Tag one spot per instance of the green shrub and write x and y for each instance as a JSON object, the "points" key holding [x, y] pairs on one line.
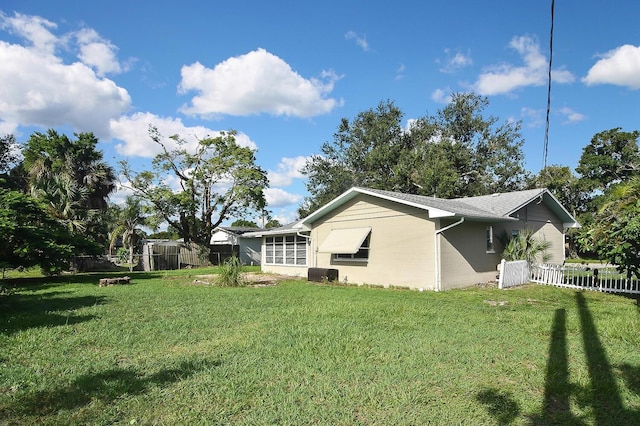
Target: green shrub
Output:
{"points": [[230, 273], [123, 255]]}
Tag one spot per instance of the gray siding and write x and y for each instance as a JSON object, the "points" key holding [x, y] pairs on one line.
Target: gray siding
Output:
{"points": [[545, 224], [464, 257]]}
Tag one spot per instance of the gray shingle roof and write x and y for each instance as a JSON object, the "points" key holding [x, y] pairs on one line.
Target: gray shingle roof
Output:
{"points": [[494, 207], [458, 206]]}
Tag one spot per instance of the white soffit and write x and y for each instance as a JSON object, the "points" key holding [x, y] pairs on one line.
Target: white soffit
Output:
{"points": [[344, 241]]}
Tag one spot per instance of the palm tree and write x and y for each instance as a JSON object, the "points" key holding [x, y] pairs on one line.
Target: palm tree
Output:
{"points": [[71, 178], [129, 218], [525, 246]]}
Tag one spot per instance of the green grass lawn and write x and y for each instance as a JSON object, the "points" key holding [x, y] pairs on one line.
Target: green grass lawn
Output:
{"points": [[165, 351]]}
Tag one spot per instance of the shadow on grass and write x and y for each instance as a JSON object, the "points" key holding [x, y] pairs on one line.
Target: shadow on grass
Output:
{"points": [[29, 310], [556, 408], [105, 386], [602, 395], [500, 405], [631, 376]]}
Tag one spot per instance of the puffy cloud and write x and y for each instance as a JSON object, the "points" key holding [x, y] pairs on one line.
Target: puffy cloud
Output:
{"points": [[133, 131], [570, 115], [441, 96], [360, 40], [533, 117], [34, 29], [454, 61], [97, 52], [254, 83], [620, 66], [506, 78], [288, 169], [277, 197], [38, 89]]}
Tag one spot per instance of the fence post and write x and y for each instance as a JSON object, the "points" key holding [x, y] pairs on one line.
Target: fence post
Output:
{"points": [[501, 275]]}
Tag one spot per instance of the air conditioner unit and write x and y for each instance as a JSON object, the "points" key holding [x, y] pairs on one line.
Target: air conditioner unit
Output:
{"points": [[322, 274]]}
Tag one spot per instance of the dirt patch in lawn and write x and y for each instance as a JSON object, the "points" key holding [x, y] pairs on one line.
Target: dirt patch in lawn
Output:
{"points": [[253, 279]]}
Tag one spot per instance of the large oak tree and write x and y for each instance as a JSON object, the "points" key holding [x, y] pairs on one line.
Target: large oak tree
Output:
{"points": [[456, 152], [216, 181]]}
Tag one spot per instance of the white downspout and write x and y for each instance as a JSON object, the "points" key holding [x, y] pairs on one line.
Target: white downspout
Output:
{"points": [[437, 251], [308, 238]]}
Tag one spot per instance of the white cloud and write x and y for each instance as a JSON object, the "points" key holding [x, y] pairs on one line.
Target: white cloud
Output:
{"points": [[38, 89], [441, 96], [532, 117], [620, 66], [360, 40], [400, 72], [288, 169], [258, 82], [506, 78], [454, 61], [284, 216], [134, 132], [34, 29], [570, 115], [277, 197], [97, 52]]}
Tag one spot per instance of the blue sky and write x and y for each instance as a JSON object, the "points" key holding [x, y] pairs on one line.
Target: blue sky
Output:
{"points": [[283, 73]]}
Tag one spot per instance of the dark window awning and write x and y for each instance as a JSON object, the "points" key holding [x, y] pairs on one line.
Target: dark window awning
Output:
{"points": [[347, 241]]}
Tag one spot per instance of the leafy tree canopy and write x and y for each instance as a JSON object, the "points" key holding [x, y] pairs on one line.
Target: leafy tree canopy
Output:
{"points": [[458, 152], [611, 157], [217, 181], [30, 236], [273, 223], [243, 223], [72, 179], [563, 184], [614, 233], [9, 152]]}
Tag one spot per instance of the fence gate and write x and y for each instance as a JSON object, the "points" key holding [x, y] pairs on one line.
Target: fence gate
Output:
{"points": [[513, 273]]}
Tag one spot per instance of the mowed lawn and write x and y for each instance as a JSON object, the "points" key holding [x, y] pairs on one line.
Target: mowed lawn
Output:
{"points": [[164, 350]]}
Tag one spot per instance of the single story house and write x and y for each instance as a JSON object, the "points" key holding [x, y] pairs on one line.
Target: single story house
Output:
{"points": [[378, 237], [227, 241]]}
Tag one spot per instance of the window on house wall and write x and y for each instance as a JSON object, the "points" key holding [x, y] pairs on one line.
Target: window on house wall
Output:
{"points": [[286, 250], [490, 246], [361, 255]]}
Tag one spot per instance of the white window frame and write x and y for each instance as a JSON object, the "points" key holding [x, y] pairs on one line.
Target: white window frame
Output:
{"points": [[362, 255], [287, 250], [490, 240]]}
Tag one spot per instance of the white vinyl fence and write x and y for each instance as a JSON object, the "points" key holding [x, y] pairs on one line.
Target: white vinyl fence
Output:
{"points": [[513, 273], [601, 278], [606, 278]]}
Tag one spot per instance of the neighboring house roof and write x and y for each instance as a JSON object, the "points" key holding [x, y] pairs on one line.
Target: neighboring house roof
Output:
{"points": [[237, 230], [225, 235], [290, 228], [494, 207]]}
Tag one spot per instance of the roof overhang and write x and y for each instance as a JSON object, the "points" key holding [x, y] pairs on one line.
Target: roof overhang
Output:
{"points": [[293, 229], [354, 192], [549, 200]]}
